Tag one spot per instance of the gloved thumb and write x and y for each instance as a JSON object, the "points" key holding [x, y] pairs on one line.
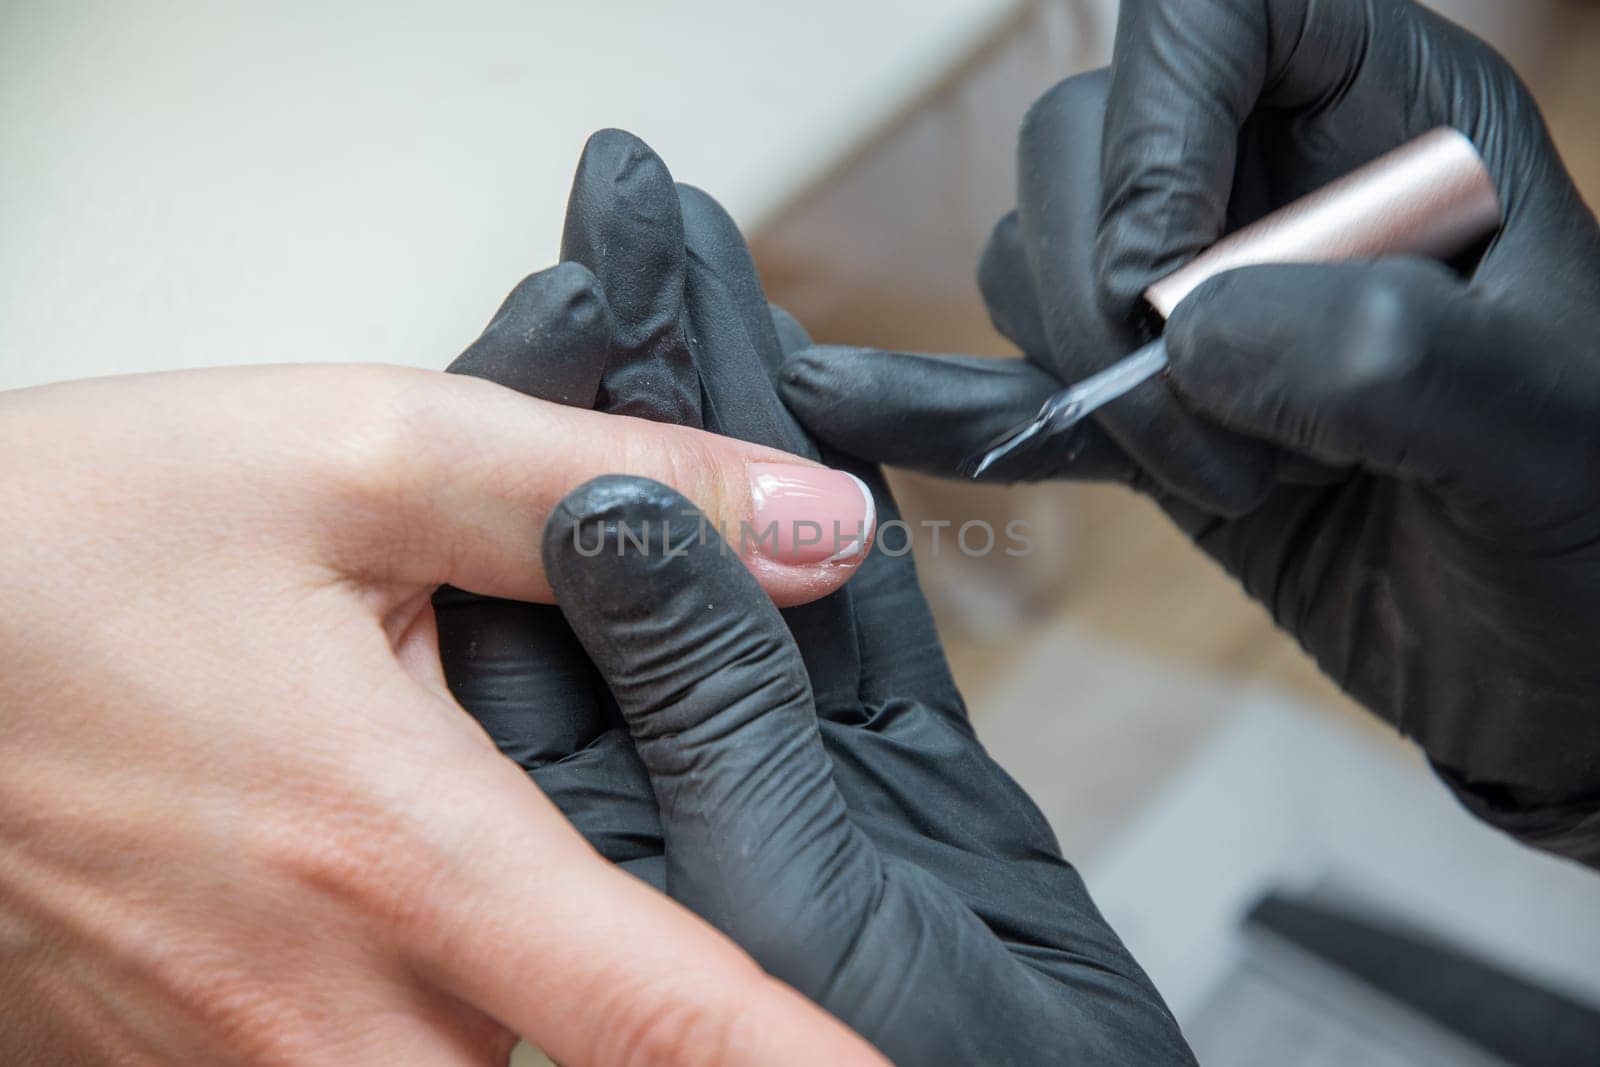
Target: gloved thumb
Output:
{"points": [[1395, 367], [716, 696]]}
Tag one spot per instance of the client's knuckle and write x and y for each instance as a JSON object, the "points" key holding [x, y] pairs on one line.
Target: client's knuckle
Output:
{"points": [[376, 456], [670, 1031], [372, 447], [360, 853], [221, 995]]}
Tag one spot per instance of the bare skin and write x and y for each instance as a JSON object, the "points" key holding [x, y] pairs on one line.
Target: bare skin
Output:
{"points": [[241, 818]]}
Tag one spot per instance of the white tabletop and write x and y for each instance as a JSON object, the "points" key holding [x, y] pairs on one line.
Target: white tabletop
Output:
{"points": [[189, 183]]}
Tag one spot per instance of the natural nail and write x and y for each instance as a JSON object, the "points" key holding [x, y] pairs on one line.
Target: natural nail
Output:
{"points": [[809, 514]]}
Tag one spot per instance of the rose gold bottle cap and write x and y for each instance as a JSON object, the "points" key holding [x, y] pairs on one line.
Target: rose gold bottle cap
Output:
{"points": [[1431, 197]]}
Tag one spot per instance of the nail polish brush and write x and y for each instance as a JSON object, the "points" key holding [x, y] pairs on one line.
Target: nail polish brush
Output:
{"points": [[1432, 196]]}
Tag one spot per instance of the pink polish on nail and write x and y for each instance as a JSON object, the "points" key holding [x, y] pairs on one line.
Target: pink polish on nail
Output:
{"points": [[808, 515]]}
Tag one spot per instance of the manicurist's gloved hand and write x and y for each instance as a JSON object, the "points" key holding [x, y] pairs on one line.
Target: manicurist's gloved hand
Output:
{"points": [[807, 780], [1400, 463]]}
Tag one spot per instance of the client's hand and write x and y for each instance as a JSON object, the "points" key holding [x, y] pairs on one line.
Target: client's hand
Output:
{"points": [[241, 819], [807, 780]]}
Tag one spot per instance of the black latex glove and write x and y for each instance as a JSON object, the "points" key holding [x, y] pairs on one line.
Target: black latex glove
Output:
{"points": [[1429, 531], [806, 780]]}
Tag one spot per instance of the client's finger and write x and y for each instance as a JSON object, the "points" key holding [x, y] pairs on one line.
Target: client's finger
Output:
{"points": [[443, 479]]}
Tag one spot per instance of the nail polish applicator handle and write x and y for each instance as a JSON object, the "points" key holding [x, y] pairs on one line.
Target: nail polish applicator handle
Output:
{"points": [[1431, 197]]}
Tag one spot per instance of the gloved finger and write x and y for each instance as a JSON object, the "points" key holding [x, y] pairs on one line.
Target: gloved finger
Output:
{"points": [[934, 413], [1398, 367], [550, 338], [1219, 104], [899, 659], [919, 742], [1005, 280], [736, 349], [759, 840], [1183, 79], [1534, 249], [792, 336], [806, 386], [716, 697], [1058, 167], [714, 242], [519, 671], [516, 667], [902, 663], [623, 224], [603, 790]]}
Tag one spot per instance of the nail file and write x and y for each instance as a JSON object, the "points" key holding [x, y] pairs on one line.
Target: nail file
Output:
{"points": [[1432, 196]]}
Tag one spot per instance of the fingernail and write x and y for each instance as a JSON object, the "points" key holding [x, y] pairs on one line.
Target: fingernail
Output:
{"points": [[809, 514]]}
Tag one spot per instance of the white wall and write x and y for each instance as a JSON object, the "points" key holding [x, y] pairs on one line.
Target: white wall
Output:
{"points": [[184, 182]]}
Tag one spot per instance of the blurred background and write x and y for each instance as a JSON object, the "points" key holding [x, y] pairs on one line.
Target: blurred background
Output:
{"points": [[187, 183]]}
